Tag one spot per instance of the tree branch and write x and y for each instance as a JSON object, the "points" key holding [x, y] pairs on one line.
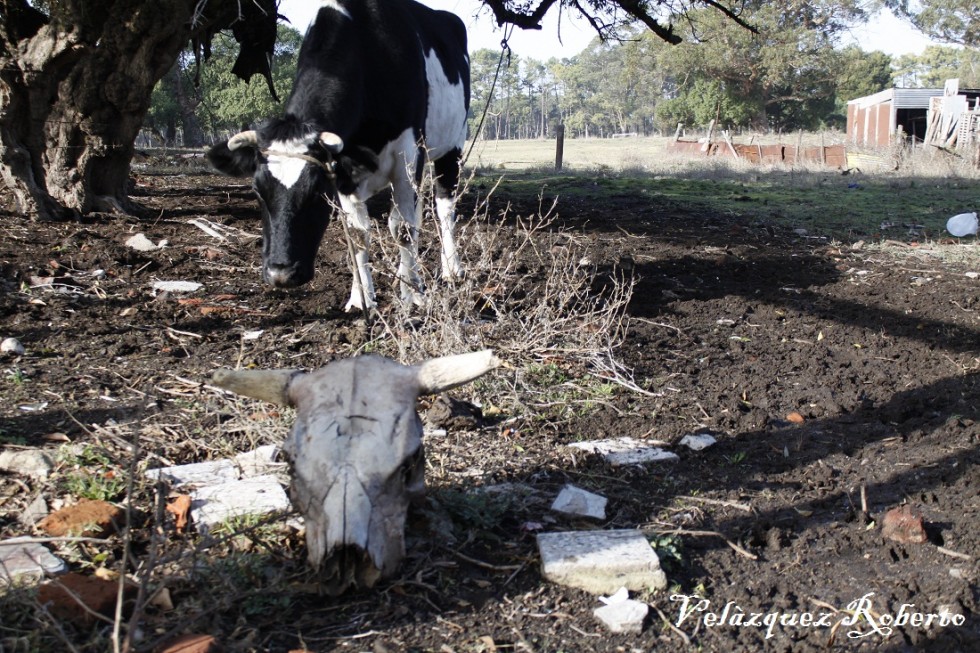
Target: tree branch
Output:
{"points": [[731, 14], [521, 18], [638, 10]]}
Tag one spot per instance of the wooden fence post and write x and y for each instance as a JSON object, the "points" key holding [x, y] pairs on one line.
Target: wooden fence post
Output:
{"points": [[559, 146]]}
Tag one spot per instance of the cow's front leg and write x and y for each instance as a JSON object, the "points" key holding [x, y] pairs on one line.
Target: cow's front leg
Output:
{"points": [[359, 235], [403, 222], [447, 179]]}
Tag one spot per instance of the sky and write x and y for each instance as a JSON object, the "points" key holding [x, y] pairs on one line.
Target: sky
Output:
{"points": [[887, 34]]}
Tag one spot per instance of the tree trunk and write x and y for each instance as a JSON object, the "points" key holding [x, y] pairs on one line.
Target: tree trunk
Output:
{"points": [[187, 102], [75, 87]]}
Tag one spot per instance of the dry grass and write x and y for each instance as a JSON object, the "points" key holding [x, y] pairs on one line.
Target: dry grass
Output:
{"points": [[541, 303]]}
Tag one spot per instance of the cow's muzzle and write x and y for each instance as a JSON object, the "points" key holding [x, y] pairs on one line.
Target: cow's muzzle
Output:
{"points": [[286, 276]]}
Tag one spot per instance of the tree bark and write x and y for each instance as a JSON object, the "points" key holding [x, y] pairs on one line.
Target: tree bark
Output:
{"points": [[187, 102], [75, 87]]}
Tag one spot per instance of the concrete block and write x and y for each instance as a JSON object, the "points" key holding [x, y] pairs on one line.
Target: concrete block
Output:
{"points": [[580, 503], [600, 561]]}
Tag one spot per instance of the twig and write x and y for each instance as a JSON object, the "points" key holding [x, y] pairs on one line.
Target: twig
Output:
{"points": [[49, 540], [582, 632], [683, 635], [485, 565], [718, 502], [955, 554], [681, 531]]}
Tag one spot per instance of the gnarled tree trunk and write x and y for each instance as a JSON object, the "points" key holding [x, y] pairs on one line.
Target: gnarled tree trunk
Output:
{"points": [[75, 87]]}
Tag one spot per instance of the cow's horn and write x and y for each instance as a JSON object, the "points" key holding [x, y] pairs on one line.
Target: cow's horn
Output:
{"points": [[267, 385], [250, 137], [331, 141], [441, 374]]}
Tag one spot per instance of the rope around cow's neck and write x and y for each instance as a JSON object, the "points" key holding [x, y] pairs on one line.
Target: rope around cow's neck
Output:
{"points": [[328, 168]]}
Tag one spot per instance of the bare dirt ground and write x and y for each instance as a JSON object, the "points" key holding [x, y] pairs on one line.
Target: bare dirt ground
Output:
{"points": [[839, 381]]}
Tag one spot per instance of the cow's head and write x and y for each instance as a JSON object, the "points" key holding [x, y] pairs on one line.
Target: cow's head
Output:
{"points": [[356, 453], [293, 176]]}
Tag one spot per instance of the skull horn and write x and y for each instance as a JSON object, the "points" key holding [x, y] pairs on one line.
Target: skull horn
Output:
{"points": [[242, 139], [441, 374], [267, 385], [331, 141]]}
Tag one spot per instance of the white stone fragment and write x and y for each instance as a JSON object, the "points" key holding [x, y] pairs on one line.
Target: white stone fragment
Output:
{"points": [[581, 503], [207, 473], [625, 451], [622, 594], [624, 616], [260, 462], [35, 511], [215, 504], [12, 346], [27, 560], [27, 462], [600, 561], [141, 243], [176, 286], [698, 441]]}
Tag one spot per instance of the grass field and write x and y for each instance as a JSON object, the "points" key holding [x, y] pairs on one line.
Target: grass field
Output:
{"points": [[908, 197]]}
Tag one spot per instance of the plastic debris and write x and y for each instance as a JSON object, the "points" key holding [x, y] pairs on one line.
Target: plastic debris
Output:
{"points": [[12, 346], [964, 224]]}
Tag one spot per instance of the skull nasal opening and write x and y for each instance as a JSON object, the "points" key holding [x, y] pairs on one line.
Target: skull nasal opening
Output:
{"points": [[348, 567]]}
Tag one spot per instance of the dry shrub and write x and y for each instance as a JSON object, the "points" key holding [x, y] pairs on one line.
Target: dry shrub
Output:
{"points": [[530, 293]]}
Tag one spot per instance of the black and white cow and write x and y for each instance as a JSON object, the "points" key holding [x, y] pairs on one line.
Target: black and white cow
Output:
{"points": [[381, 85]]}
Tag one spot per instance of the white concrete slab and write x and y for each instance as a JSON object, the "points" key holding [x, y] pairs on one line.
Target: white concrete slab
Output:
{"points": [[200, 474], [580, 503], [600, 561], [626, 451], [215, 504]]}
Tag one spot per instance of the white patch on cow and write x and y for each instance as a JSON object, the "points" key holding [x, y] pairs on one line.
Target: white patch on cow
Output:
{"points": [[445, 122], [336, 6], [282, 162]]}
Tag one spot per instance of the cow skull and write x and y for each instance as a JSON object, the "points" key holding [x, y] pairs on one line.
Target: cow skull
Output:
{"points": [[356, 453]]}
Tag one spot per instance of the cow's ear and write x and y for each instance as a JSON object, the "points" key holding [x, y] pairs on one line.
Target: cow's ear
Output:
{"points": [[238, 162]]}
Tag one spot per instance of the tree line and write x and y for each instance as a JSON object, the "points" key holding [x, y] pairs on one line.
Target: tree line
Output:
{"points": [[791, 76], [77, 77]]}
